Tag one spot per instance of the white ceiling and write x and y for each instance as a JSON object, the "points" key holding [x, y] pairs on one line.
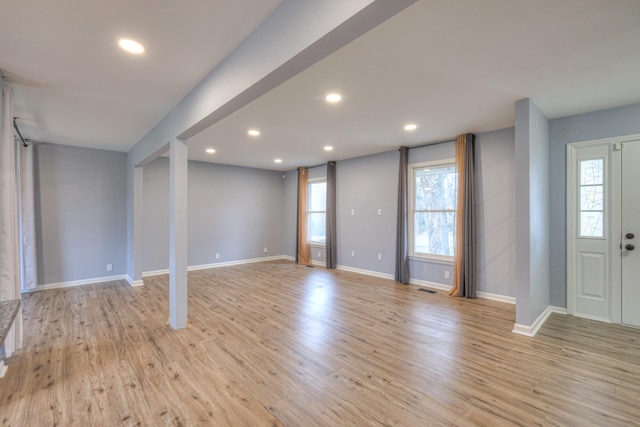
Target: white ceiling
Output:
{"points": [[74, 85], [451, 66]]}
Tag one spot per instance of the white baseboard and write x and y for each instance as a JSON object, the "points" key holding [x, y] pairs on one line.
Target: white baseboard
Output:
{"points": [[3, 368], [433, 285], [132, 282], [531, 331], [496, 297], [155, 273], [479, 294], [319, 263], [76, 283], [558, 310], [218, 264], [366, 272]]}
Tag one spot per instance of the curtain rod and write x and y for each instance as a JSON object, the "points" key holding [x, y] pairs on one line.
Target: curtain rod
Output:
{"points": [[432, 143], [15, 126]]}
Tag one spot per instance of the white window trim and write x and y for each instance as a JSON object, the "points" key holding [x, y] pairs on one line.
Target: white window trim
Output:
{"points": [[313, 242], [414, 255]]}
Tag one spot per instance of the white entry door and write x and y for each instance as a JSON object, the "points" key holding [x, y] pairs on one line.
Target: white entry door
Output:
{"points": [[630, 233], [603, 230], [589, 236]]}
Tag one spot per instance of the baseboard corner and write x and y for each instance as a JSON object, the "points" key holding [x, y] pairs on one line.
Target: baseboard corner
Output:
{"points": [[531, 331], [134, 283]]}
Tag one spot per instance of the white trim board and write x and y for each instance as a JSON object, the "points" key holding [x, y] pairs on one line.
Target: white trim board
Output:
{"points": [[365, 272], [219, 264], [72, 283], [134, 283], [531, 331], [479, 294]]}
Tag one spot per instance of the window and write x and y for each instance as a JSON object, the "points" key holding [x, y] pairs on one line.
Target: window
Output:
{"points": [[317, 211], [433, 199], [592, 198]]}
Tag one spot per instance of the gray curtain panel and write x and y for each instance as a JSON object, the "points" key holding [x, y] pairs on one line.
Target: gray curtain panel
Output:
{"points": [[468, 283], [331, 237], [402, 231]]}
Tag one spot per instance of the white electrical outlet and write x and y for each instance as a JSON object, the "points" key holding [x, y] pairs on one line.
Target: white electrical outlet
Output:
{"points": [[353, 253], [109, 267], [217, 255], [379, 212], [446, 274], [353, 212], [379, 257], [265, 250], [318, 254]]}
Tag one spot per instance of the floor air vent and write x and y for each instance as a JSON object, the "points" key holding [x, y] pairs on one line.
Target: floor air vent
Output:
{"points": [[427, 290]]}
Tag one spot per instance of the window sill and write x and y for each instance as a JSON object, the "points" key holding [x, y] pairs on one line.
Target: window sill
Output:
{"points": [[430, 260], [317, 244]]}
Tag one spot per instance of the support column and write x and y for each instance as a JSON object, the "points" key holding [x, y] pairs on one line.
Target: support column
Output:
{"points": [[137, 226], [178, 234]]}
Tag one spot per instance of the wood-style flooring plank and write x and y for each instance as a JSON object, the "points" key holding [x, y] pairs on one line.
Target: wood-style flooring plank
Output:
{"points": [[276, 344]]}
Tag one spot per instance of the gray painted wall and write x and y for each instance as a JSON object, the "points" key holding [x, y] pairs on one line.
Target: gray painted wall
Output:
{"points": [[80, 213], [496, 211], [366, 184], [233, 211], [584, 127], [532, 212]]}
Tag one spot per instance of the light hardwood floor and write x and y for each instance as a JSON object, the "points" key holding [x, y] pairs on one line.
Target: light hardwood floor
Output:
{"points": [[279, 344]]}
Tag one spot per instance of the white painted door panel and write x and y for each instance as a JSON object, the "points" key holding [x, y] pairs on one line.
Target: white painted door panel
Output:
{"points": [[631, 226], [588, 207]]}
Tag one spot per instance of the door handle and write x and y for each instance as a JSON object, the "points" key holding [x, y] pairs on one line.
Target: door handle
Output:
{"points": [[629, 247]]}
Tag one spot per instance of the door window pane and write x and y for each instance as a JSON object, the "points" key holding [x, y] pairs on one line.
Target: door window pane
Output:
{"points": [[592, 172], [591, 224], [592, 198]]}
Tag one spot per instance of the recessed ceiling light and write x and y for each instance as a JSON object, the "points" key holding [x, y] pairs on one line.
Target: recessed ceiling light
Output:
{"points": [[333, 98], [328, 148], [131, 46], [253, 132], [410, 127], [278, 160], [210, 150]]}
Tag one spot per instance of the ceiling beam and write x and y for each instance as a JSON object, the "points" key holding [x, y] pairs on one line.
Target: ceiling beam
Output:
{"points": [[295, 36]]}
